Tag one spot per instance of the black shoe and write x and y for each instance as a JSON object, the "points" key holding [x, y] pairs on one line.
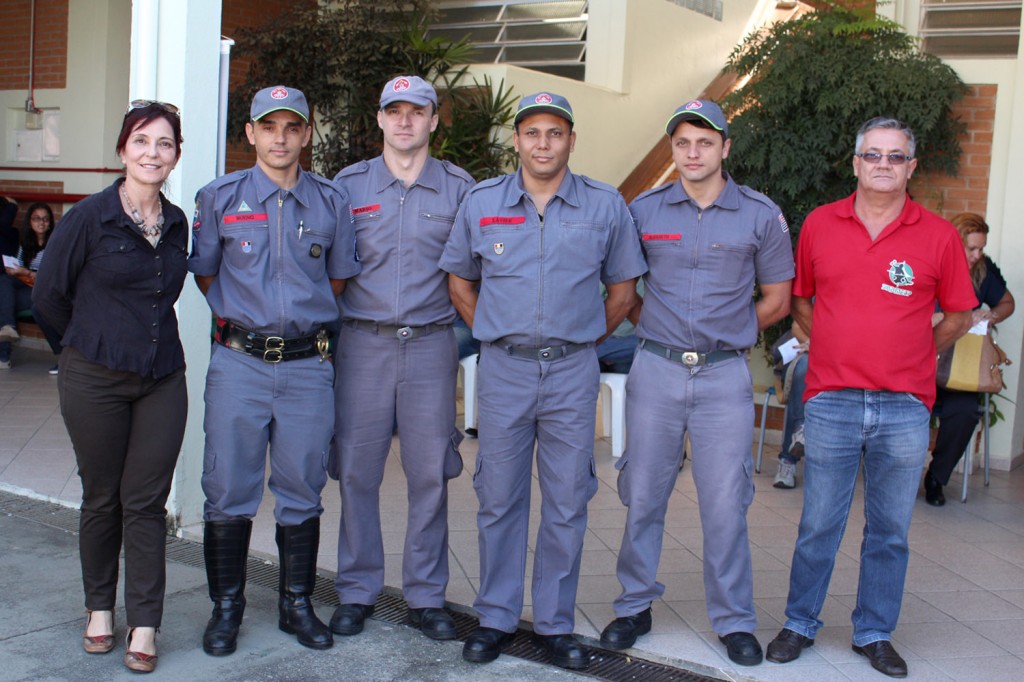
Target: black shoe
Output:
{"points": [[622, 632], [434, 623], [564, 650], [787, 646], [226, 550], [298, 547], [933, 490], [484, 644], [742, 648], [883, 658], [348, 619]]}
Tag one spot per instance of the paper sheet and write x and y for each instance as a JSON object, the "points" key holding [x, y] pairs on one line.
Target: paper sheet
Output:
{"points": [[789, 350]]}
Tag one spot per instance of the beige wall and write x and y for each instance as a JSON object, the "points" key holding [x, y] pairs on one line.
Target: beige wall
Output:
{"points": [[644, 58]]}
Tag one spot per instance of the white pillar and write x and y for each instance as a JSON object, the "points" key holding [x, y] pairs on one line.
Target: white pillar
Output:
{"points": [[184, 38]]}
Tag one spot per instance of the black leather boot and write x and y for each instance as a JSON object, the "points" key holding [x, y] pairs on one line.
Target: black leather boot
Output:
{"points": [[298, 546], [226, 549]]}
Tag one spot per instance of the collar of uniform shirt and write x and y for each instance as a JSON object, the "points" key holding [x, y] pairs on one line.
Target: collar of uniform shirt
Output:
{"points": [[429, 176], [728, 199], [266, 188], [566, 191]]}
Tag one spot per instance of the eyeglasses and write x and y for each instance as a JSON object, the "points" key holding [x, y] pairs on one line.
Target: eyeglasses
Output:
{"points": [[895, 158], [143, 103]]}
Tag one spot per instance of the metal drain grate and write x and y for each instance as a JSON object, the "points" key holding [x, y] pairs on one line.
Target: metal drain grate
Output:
{"points": [[612, 666]]}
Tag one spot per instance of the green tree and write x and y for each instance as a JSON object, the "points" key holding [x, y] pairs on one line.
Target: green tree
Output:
{"points": [[812, 83], [341, 55]]}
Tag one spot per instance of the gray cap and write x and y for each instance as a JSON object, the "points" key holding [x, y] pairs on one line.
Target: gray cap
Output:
{"points": [[699, 109], [544, 103], [276, 98], [412, 89]]}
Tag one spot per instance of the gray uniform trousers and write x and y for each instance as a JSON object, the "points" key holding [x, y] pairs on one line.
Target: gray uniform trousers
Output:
{"points": [[380, 378], [552, 402], [714, 404], [250, 403]]}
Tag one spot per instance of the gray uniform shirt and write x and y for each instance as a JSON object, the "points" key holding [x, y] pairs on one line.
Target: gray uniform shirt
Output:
{"points": [[540, 279], [704, 262], [273, 250], [400, 235]]}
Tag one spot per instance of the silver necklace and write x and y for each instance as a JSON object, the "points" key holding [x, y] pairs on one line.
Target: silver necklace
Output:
{"points": [[149, 231]]}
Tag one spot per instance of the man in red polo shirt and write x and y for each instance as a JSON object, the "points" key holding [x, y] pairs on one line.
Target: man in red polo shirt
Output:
{"points": [[874, 263]]}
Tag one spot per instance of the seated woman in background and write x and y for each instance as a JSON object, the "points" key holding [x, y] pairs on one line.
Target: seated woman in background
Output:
{"points": [[16, 283], [957, 410]]}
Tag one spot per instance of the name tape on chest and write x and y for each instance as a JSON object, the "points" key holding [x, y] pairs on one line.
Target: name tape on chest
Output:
{"points": [[662, 237], [244, 218], [360, 210], [502, 220]]}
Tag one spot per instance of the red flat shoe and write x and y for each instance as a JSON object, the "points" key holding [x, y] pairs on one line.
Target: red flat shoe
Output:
{"points": [[136, 661], [98, 644]]}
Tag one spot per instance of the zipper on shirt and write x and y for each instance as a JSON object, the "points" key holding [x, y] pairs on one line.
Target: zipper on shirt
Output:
{"points": [[280, 258]]}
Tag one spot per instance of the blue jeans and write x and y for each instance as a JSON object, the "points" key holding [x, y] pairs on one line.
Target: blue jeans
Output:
{"points": [[464, 338], [794, 407], [890, 432], [615, 354]]}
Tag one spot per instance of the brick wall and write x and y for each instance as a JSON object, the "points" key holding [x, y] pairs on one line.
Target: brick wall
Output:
{"points": [[12, 188], [237, 14], [969, 190], [51, 47]]}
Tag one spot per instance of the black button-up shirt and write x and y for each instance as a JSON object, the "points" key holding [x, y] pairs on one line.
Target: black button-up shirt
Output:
{"points": [[109, 292]]}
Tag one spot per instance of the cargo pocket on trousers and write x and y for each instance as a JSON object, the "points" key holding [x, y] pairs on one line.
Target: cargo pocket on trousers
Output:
{"points": [[452, 458], [622, 483], [592, 483]]}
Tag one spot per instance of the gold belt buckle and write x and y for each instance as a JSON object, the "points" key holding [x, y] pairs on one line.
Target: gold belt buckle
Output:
{"points": [[690, 359], [273, 349]]}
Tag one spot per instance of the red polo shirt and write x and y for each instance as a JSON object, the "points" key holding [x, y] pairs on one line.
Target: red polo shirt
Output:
{"points": [[873, 300]]}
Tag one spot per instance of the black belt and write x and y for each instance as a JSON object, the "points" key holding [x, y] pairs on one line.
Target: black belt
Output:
{"points": [[271, 348], [403, 332], [685, 357], [541, 352]]}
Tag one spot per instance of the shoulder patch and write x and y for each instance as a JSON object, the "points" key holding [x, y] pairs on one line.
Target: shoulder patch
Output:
{"points": [[354, 169]]}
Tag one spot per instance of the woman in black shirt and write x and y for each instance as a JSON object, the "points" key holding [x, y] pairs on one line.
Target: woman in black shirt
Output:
{"points": [[113, 269]]}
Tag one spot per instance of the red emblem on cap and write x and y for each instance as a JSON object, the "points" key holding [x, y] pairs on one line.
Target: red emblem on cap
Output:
{"points": [[695, 104], [279, 93], [401, 84], [543, 98]]}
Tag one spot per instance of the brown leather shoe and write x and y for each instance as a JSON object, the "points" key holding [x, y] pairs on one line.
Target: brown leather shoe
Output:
{"points": [[98, 644], [136, 661]]}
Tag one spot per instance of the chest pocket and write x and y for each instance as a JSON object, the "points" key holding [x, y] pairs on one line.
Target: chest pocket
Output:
{"points": [[585, 239], [731, 261], [244, 244], [312, 249], [507, 249], [121, 261]]}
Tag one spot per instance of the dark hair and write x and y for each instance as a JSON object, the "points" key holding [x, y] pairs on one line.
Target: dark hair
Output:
{"points": [[136, 118], [29, 244]]}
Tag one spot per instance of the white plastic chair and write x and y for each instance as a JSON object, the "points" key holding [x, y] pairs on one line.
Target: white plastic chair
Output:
{"points": [[613, 410], [467, 366]]}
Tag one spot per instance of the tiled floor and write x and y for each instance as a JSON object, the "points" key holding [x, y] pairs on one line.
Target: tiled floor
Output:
{"points": [[963, 613]]}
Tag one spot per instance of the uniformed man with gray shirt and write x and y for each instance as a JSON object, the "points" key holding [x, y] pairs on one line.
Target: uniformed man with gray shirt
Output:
{"points": [[537, 244], [272, 248], [707, 241], [397, 362]]}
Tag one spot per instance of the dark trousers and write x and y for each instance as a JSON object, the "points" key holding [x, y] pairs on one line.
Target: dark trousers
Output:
{"points": [[15, 297], [958, 415], [127, 431]]}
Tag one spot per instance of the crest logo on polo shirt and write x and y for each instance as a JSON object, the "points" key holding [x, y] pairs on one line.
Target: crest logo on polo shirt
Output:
{"points": [[246, 247], [901, 275], [244, 207], [543, 98], [499, 248]]}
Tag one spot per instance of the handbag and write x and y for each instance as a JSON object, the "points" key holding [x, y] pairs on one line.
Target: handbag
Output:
{"points": [[973, 364]]}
